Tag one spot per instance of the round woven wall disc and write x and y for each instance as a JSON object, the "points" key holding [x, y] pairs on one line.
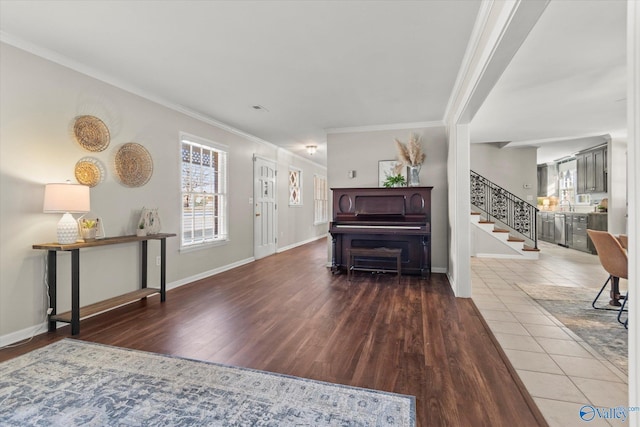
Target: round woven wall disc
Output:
{"points": [[89, 171], [91, 133], [134, 165]]}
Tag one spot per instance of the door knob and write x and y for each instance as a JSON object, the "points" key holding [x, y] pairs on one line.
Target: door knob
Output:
{"points": [[257, 214]]}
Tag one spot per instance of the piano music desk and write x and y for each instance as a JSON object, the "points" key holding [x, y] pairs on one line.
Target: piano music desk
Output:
{"points": [[374, 253]]}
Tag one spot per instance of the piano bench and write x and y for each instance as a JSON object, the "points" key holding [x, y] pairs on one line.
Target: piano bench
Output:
{"points": [[374, 253]]}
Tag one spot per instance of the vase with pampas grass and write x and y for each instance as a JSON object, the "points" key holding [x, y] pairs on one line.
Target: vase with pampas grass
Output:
{"points": [[411, 155]]}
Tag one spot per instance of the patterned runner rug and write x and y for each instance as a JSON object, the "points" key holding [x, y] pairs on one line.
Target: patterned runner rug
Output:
{"points": [[73, 383], [599, 328]]}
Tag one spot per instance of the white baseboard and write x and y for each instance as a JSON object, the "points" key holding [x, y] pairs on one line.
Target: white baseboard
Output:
{"points": [[500, 256], [304, 242], [23, 334], [28, 332], [209, 273]]}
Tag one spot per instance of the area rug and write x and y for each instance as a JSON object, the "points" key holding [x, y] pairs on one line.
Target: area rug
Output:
{"points": [[73, 383], [599, 328]]}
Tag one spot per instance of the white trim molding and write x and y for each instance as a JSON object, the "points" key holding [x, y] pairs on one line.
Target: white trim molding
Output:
{"points": [[394, 126], [106, 78], [304, 242], [633, 186]]}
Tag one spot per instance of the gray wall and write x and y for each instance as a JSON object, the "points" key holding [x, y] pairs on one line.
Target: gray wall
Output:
{"points": [[361, 151], [511, 168], [39, 102]]}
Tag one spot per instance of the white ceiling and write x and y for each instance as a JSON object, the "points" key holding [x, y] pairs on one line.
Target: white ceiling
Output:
{"points": [[312, 64], [316, 65], [565, 85]]}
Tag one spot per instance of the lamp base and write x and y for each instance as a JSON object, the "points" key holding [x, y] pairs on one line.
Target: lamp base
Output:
{"points": [[67, 230]]}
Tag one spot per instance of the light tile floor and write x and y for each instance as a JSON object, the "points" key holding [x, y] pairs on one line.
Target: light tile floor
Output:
{"points": [[561, 371]]}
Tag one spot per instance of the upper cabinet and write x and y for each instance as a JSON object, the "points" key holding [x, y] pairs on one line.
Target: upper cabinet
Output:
{"points": [[547, 180], [543, 173], [592, 171]]}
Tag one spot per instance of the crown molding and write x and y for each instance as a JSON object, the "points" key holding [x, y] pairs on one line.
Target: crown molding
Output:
{"points": [[393, 126], [98, 75]]}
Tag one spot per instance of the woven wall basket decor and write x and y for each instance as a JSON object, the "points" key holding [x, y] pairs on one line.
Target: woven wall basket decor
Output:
{"points": [[91, 133], [133, 164], [89, 171]]}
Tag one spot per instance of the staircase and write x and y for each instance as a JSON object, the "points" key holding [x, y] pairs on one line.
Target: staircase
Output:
{"points": [[508, 246], [504, 224]]}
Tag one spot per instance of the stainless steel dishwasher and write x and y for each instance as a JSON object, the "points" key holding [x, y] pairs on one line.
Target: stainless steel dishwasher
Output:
{"points": [[560, 228]]}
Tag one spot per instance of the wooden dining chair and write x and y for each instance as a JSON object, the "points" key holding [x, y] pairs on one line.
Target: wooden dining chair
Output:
{"points": [[613, 258]]}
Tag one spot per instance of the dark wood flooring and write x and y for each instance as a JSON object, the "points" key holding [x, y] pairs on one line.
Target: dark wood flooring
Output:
{"points": [[287, 313]]}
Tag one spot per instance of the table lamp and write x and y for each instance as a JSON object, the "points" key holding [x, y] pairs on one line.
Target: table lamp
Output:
{"points": [[67, 199]]}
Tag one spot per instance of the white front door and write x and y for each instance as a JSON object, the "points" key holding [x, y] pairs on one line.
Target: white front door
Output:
{"points": [[264, 207]]}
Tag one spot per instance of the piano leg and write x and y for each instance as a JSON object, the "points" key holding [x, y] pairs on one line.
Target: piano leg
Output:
{"points": [[426, 257], [334, 266]]}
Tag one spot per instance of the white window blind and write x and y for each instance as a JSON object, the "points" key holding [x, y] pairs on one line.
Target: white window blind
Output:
{"points": [[204, 191], [320, 200]]}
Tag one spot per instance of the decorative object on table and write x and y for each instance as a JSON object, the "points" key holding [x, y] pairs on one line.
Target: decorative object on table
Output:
{"points": [[89, 171], [141, 231], [129, 387], [88, 229], [390, 168], [412, 156], [133, 165], [91, 133], [66, 198], [395, 181], [150, 220]]}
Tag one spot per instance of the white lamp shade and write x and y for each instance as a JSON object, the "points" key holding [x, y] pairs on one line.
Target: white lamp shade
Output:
{"points": [[62, 198], [66, 198]]}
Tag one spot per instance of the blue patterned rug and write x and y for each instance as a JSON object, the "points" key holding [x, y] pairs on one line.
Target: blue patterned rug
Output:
{"points": [[73, 383]]}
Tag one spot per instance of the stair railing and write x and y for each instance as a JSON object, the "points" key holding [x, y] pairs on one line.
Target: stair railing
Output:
{"points": [[499, 204]]}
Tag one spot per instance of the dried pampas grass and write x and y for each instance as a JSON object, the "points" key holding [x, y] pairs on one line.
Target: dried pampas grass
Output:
{"points": [[411, 153]]}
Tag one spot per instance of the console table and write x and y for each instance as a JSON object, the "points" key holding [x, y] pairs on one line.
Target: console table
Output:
{"points": [[78, 313]]}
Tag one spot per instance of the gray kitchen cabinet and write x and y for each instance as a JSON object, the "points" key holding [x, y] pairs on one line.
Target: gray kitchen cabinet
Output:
{"points": [[591, 171], [547, 180], [579, 232], [543, 173], [596, 221], [546, 230]]}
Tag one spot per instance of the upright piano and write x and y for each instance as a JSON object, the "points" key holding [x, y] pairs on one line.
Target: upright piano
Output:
{"points": [[397, 217]]}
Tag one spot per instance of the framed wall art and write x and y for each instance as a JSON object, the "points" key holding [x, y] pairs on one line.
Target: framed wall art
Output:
{"points": [[387, 168]]}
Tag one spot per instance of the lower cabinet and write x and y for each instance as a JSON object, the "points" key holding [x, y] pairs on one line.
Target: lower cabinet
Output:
{"points": [[578, 232], [576, 225], [596, 221], [546, 230]]}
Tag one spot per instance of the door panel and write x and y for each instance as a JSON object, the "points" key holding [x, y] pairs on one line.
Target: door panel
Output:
{"points": [[264, 208]]}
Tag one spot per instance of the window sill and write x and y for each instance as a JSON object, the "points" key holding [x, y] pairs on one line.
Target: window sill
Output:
{"points": [[202, 246]]}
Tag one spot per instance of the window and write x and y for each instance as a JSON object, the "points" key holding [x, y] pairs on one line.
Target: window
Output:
{"points": [[320, 200], [295, 187], [204, 191]]}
